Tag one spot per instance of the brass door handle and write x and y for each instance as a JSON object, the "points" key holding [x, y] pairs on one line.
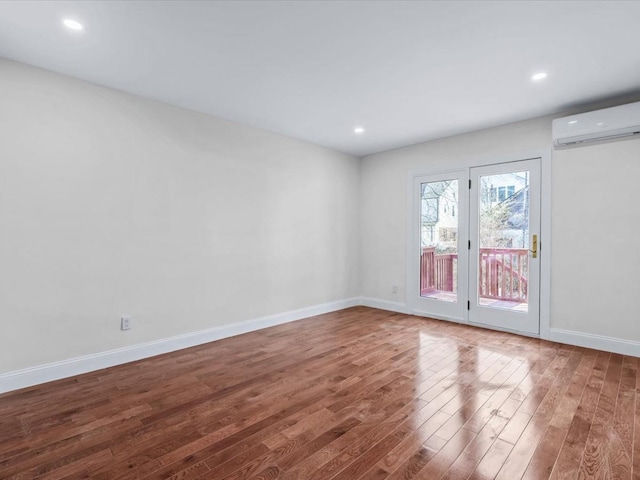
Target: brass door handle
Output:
{"points": [[534, 251]]}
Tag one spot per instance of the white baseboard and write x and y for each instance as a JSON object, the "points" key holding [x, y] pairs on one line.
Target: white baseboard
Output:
{"points": [[588, 340], [398, 307], [598, 342], [75, 366], [88, 363]]}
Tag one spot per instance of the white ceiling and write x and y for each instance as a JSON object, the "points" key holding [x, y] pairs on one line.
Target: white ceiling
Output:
{"points": [[407, 71]]}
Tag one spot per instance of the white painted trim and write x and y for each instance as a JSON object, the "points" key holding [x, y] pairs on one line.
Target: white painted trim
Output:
{"points": [[414, 301], [522, 321], [388, 305], [75, 366], [411, 287], [472, 162], [598, 342], [463, 321], [545, 156], [545, 245], [88, 363], [588, 340]]}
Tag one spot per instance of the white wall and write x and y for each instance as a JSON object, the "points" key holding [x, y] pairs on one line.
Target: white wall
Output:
{"points": [[113, 204], [596, 231], [383, 194], [593, 209]]}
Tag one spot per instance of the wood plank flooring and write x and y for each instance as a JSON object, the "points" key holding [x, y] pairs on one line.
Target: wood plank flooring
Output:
{"points": [[355, 394]]}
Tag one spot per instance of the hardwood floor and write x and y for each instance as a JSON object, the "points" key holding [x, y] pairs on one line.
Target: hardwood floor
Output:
{"points": [[359, 393]]}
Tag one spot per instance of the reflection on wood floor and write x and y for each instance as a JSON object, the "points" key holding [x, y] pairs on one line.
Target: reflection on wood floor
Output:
{"points": [[359, 393]]}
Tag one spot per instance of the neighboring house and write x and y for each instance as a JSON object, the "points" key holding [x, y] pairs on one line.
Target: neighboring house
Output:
{"points": [[440, 216], [505, 211], [504, 202]]}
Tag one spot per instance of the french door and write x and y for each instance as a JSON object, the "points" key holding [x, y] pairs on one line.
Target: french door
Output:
{"points": [[475, 255]]}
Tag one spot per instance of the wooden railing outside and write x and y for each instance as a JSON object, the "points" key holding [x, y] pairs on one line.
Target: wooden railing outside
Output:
{"points": [[437, 272], [503, 273]]}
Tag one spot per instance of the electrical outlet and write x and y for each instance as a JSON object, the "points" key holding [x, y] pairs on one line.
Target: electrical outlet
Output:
{"points": [[125, 322], [394, 289]]}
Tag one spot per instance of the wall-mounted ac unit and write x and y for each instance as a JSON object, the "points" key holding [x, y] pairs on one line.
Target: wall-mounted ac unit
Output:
{"points": [[596, 126]]}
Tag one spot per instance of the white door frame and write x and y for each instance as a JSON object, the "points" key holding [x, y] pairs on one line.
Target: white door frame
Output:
{"points": [[454, 311], [523, 322], [544, 245]]}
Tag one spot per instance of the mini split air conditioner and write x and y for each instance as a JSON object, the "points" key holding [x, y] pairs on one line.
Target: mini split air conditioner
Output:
{"points": [[596, 126]]}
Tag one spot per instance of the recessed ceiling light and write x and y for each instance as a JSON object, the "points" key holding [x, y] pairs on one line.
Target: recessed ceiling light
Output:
{"points": [[539, 76], [358, 130], [72, 24]]}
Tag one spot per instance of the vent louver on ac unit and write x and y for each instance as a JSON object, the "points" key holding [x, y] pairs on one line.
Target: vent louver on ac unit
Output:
{"points": [[599, 125]]}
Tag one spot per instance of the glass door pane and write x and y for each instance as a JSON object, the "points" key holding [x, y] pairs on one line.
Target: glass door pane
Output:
{"points": [[504, 241], [473, 254], [439, 215], [504, 275]]}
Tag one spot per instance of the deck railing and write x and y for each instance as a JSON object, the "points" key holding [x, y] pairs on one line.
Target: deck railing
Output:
{"points": [[502, 274], [437, 272]]}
